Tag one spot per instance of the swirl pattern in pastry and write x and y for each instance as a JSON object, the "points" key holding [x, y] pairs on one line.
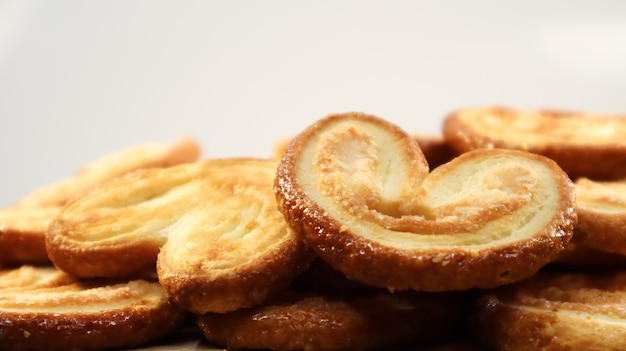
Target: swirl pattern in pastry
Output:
{"points": [[358, 190], [211, 230]]}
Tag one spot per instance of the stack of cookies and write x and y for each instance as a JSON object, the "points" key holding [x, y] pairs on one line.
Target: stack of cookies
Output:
{"points": [[355, 235]]}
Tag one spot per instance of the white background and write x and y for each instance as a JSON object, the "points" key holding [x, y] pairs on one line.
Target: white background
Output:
{"points": [[80, 79]]}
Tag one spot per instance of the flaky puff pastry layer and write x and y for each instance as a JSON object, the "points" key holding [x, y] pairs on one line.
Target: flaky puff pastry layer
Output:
{"points": [[242, 250], [23, 226], [220, 240], [552, 311], [358, 190], [583, 144], [42, 308], [601, 209]]}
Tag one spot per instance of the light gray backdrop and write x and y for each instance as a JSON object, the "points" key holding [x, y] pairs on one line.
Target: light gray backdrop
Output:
{"points": [[80, 79]]}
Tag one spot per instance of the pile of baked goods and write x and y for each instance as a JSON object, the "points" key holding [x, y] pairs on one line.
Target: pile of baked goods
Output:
{"points": [[501, 233]]}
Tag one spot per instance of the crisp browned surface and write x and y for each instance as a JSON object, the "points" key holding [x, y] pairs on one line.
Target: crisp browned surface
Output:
{"points": [[555, 312], [119, 228], [221, 242], [582, 144], [113, 165], [240, 250], [322, 309], [299, 320], [42, 308], [358, 191], [369, 206], [601, 208], [22, 234]]}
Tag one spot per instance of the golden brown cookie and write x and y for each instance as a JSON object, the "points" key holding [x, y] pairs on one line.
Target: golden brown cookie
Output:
{"points": [[240, 249], [601, 208], [220, 240], [22, 234], [42, 308], [582, 144], [358, 191], [568, 311], [306, 320], [154, 155]]}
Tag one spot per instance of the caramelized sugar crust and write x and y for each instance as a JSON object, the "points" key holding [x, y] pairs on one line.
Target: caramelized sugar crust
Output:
{"points": [[119, 227], [42, 308], [576, 141], [322, 310], [358, 191], [551, 311], [306, 321], [601, 208], [220, 240]]}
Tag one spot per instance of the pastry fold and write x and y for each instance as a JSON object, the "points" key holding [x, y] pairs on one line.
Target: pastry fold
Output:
{"points": [[211, 230], [358, 191], [576, 141]]}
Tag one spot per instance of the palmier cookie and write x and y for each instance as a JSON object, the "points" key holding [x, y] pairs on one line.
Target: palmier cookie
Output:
{"points": [[22, 234], [301, 320], [181, 150], [358, 190], [220, 240], [601, 208], [582, 144], [566, 311], [42, 308]]}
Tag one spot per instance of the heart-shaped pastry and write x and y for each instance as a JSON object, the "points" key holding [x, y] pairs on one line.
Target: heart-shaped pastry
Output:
{"points": [[358, 191], [211, 228]]}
